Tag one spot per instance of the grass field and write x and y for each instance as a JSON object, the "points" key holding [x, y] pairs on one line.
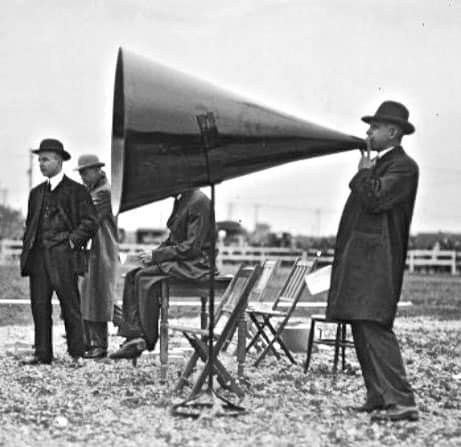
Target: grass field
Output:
{"points": [[438, 296]]}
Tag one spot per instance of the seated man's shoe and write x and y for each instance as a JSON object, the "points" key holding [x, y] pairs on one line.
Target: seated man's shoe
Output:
{"points": [[130, 349], [95, 353], [34, 360], [367, 407], [397, 413]]}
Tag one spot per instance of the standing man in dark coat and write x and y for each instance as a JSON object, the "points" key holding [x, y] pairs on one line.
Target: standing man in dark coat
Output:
{"points": [[370, 254], [60, 220], [98, 285], [184, 254]]}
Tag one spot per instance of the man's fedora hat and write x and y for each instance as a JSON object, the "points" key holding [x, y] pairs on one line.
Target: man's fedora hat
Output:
{"points": [[88, 161], [392, 112], [52, 145]]}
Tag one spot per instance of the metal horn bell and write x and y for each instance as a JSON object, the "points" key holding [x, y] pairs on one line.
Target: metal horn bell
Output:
{"points": [[172, 132]]}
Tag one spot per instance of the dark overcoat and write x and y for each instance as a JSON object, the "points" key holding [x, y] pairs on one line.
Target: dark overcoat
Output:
{"points": [[185, 253], [76, 208], [98, 285], [372, 241]]}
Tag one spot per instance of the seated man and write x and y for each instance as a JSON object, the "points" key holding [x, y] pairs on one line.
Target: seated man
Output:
{"points": [[184, 254]]}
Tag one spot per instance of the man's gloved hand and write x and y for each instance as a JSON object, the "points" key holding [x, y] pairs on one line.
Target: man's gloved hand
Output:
{"points": [[145, 257]]}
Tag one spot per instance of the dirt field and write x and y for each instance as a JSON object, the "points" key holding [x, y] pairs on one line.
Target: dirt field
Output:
{"points": [[109, 403]]}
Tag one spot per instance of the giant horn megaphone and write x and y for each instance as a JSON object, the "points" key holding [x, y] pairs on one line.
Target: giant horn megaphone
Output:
{"points": [[172, 132]]}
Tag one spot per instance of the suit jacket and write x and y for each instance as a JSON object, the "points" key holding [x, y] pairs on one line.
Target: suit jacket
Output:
{"points": [[76, 207], [98, 285], [372, 240], [185, 253]]}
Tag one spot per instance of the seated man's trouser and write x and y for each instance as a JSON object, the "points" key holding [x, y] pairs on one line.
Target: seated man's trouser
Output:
{"points": [[141, 307]]}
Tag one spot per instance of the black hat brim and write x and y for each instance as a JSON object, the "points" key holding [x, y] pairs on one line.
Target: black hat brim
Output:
{"points": [[406, 126], [64, 154]]}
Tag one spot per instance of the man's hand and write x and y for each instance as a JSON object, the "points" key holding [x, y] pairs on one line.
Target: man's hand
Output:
{"points": [[365, 161], [145, 257]]}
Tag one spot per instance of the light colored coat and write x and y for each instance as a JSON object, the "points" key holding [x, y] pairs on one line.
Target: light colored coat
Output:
{"points": [[98, 285]]}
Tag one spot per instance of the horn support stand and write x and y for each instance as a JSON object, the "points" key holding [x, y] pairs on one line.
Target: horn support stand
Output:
{"points": [[209, 399]]}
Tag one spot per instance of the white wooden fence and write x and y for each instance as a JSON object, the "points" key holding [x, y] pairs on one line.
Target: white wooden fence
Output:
{"points": [[426, 261]]}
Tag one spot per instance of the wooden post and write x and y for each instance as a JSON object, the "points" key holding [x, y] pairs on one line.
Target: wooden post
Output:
{"points": [[203, 313], [411, 261], [241, 345], [164, 303]]}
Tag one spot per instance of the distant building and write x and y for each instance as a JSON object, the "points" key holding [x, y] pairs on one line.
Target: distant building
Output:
{"points": [[231, 232], [150, 236]]}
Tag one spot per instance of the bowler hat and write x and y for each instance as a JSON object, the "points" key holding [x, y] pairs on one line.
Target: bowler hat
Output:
{"points": [[392, 112], [52, 145], [88, 161]]}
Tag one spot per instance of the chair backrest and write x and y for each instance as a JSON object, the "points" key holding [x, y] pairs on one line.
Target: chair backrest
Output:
{"points": [[235, 297], [268, 270], [294, 285]]}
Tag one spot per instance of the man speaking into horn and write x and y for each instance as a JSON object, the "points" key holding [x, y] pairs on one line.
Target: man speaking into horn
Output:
{"points": [[370, 254]]}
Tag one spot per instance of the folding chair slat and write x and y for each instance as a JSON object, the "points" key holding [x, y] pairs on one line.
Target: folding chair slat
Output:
{"points": [[289, 294]]}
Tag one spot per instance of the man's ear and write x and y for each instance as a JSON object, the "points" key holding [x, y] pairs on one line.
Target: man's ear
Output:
{"points": [[393, 131]]}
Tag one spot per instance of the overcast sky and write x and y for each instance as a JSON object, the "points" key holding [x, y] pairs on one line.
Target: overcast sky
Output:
{"points": [[328, 62]]}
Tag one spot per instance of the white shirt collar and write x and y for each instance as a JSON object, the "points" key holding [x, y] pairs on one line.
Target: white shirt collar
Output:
{"points": [[56, 180], [385, 151]]}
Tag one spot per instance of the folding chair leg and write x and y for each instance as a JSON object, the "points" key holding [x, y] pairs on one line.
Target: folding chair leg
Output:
{"points": [[259, 331], [224, 378], [241, 338], [276, 337], [261, 326], [187, 372], [310, 342], [270, 346], [337, 342]]}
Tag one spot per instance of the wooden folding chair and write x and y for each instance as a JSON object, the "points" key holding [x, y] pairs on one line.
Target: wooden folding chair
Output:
{"points": [[227, 316], [282, 309], [259, 292], [268, 270]]}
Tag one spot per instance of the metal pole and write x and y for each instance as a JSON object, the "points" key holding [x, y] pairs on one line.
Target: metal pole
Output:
{"points": [[211, 292]]}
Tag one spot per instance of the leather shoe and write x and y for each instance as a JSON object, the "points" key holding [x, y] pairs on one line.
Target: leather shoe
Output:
{"points": [[397, 413], [367, 408], [130, 350], [35, 361], [95, 353]]}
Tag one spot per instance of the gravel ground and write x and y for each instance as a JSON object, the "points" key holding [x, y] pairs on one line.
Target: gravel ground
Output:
{"points": [[106, 403]]}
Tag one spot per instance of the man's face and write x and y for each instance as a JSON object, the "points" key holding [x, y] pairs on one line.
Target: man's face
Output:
{"points": [[381, 135], [50, 163], [89, 176]]}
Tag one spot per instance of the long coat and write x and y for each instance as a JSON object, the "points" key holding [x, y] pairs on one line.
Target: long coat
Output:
{"points": [[77, 210], [185, 253], [372, 241], [98, 285]]}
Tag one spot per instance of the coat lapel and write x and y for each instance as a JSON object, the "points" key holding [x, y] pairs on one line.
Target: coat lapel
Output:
{"points": [[391, 155]]}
